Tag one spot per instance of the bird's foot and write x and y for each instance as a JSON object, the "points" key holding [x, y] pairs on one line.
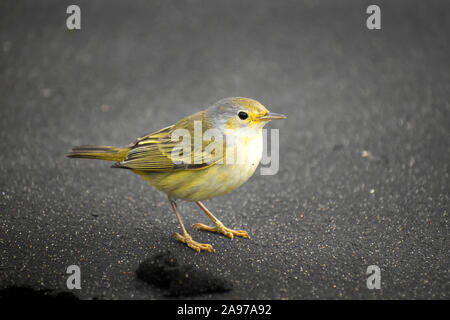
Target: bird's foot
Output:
{"points": [[197, 246], [230, 233]]}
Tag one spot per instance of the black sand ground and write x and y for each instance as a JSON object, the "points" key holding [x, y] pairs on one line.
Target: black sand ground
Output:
{"points": [[364, 154]]}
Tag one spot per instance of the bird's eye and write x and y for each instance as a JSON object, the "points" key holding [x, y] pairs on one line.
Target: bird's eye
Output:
{"points": [[242, 115]]}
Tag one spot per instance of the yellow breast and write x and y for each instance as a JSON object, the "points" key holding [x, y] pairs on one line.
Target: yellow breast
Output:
{"points": [[216, 180]]}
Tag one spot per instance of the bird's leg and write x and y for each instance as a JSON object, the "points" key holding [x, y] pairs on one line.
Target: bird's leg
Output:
{"points": [[186, 238], [219, 227]]}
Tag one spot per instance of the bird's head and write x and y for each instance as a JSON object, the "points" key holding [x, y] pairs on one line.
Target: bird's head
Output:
{"points": [[240, 114]]}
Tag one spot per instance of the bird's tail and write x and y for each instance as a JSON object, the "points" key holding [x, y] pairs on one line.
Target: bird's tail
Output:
{"points": [[99, 152]]}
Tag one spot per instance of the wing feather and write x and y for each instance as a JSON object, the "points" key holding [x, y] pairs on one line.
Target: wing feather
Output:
{"points": [[153, 152]]}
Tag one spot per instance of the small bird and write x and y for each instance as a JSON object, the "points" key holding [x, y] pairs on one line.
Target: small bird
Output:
{"points": [[192, 170]]}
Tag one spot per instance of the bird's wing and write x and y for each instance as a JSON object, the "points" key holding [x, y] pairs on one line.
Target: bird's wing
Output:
{"points": [[158, 151]]}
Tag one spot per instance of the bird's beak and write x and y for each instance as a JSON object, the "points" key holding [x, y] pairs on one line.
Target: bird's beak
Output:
{"points": [[272, 116]]}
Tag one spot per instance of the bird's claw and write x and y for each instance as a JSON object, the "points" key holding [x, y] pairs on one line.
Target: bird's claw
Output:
{"points": [[197, 246], [230, 233]]}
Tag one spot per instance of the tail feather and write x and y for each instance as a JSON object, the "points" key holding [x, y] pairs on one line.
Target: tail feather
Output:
{"points": [[99, 152]]}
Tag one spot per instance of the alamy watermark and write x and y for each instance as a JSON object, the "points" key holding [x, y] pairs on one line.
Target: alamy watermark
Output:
{"points": [[374, 277], [74, 280], [242, 147], [373, 22], [73, 22]]}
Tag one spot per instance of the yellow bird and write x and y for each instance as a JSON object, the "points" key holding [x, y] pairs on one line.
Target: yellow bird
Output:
{"points": [[229, 150]]}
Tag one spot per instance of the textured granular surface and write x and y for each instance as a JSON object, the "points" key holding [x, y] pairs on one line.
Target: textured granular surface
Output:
{"points": [[364, 158], [25, 293], [163, 271]]}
